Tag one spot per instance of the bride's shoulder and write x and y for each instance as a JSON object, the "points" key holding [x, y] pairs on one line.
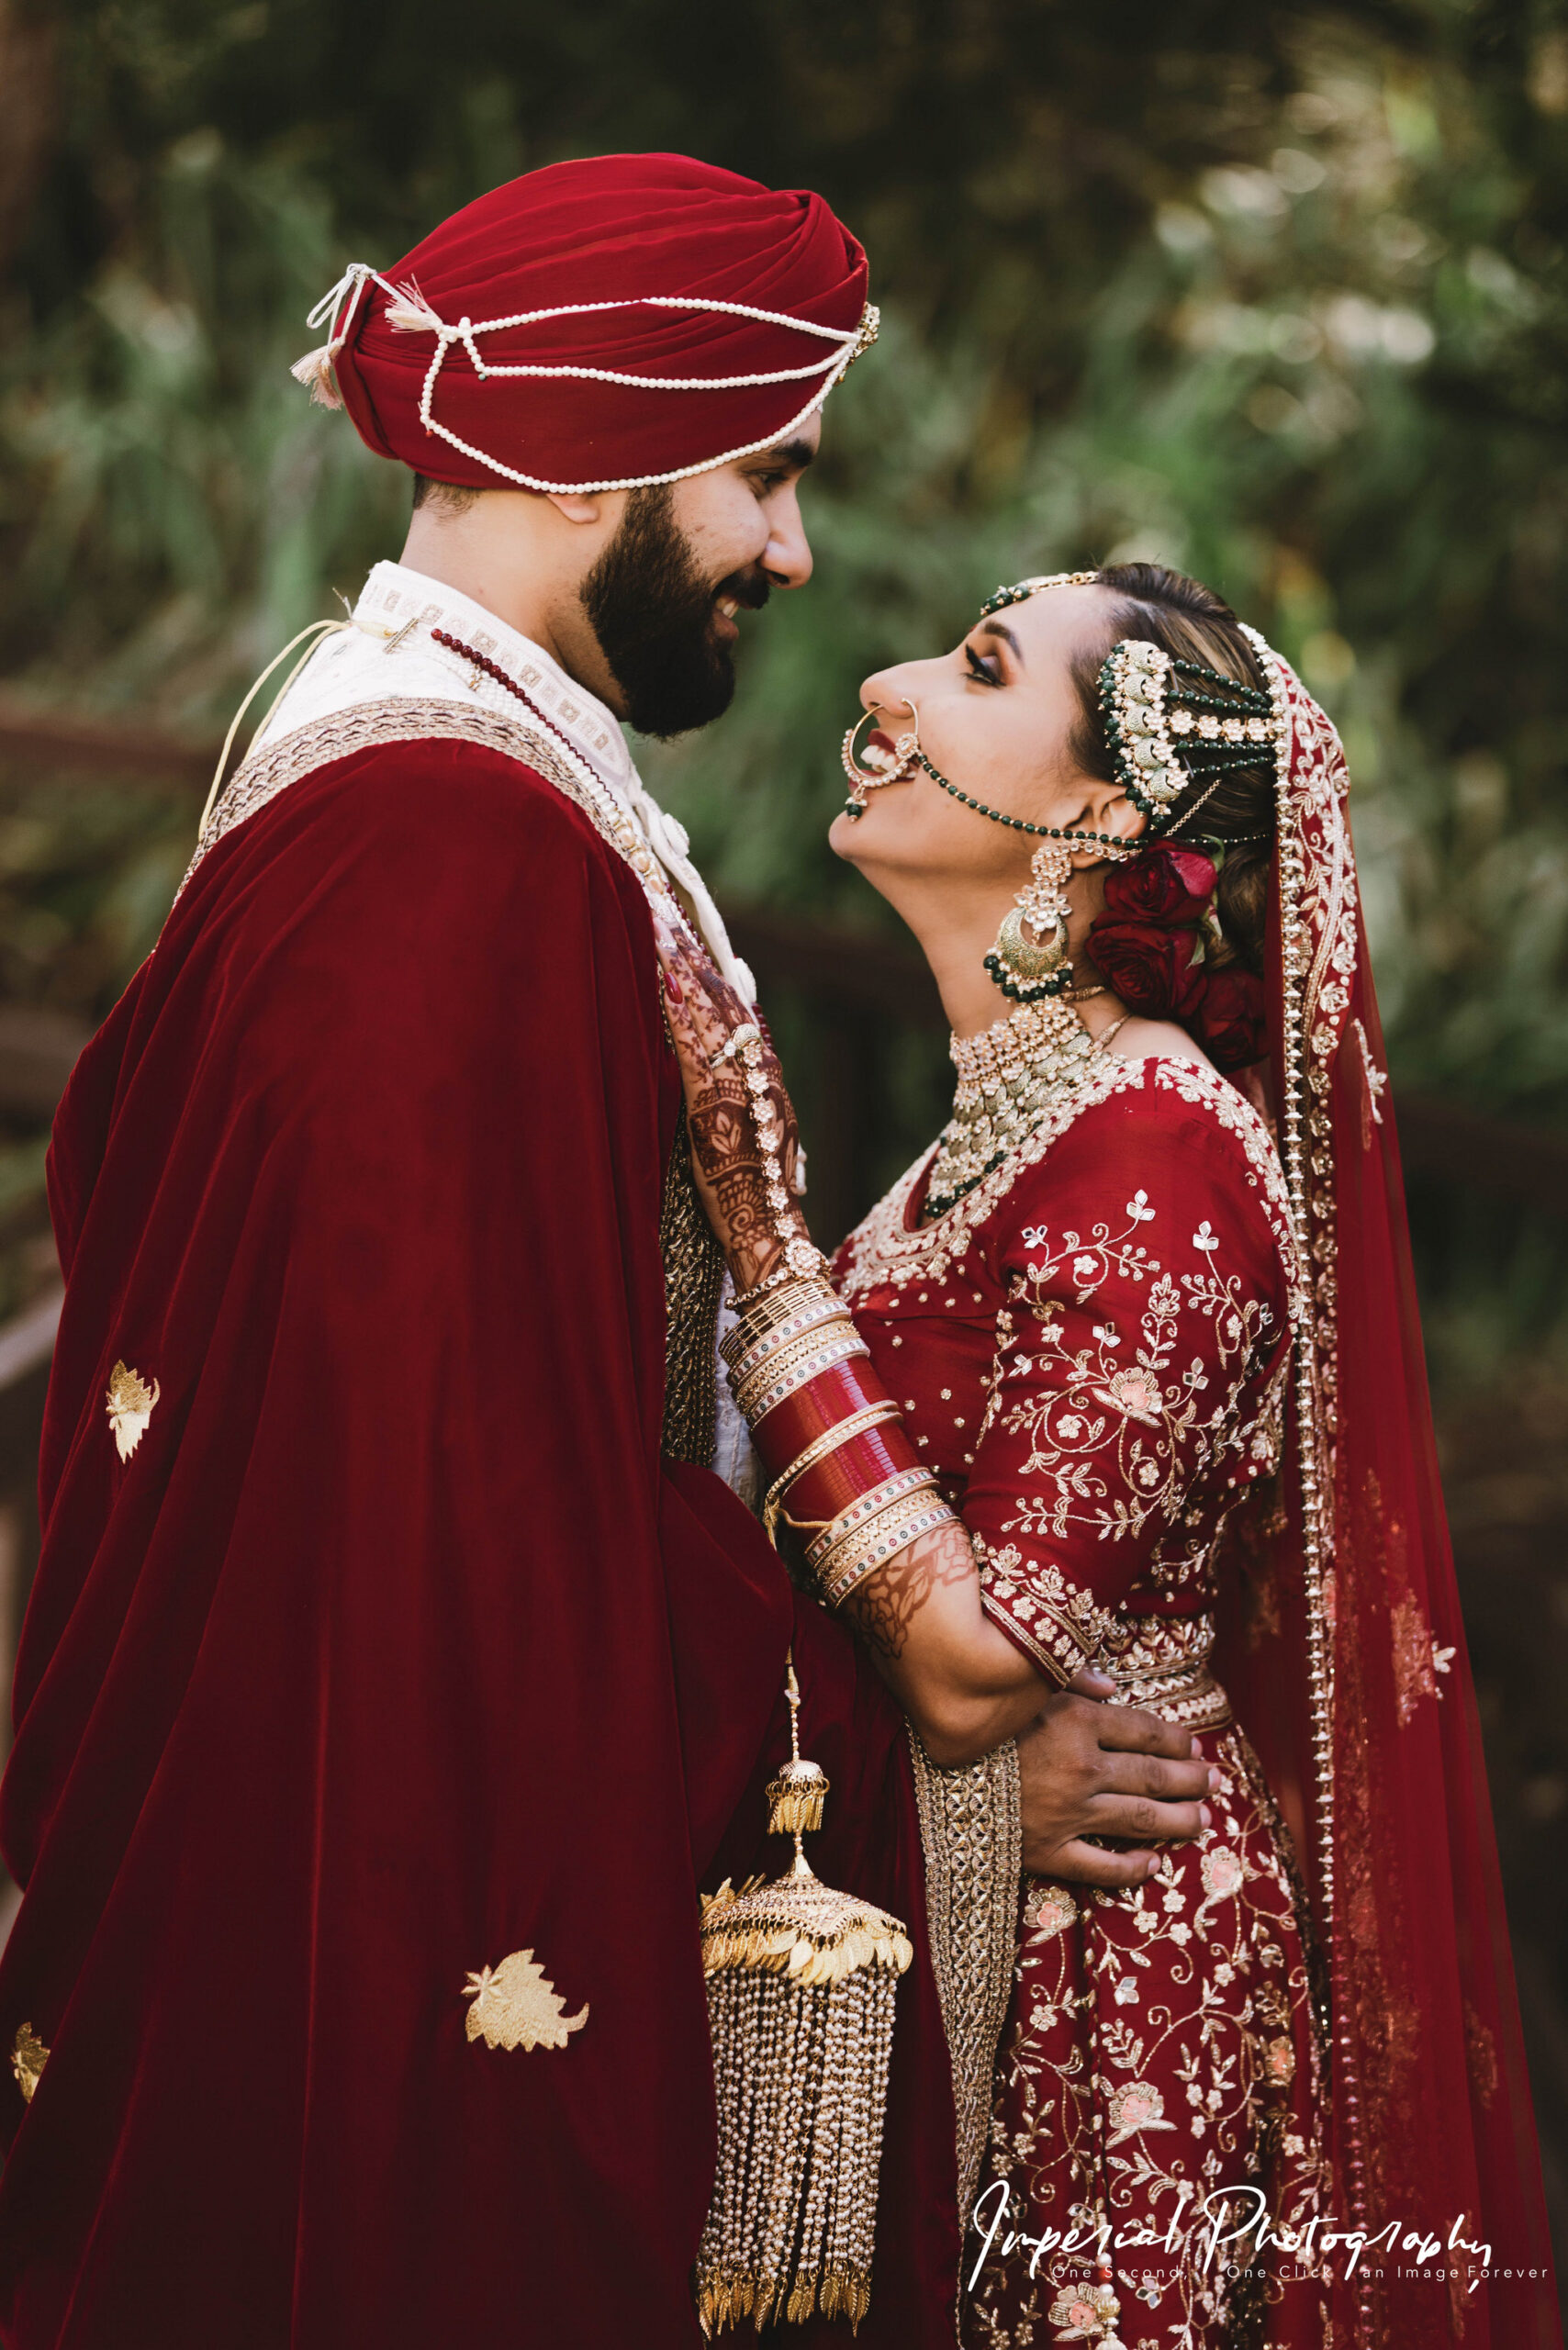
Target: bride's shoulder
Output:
{"points": [[1139, 1040], [1168, 1120]]}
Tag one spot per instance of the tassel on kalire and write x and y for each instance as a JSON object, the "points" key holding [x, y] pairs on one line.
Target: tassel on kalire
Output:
{"points": [[801, 1986]]}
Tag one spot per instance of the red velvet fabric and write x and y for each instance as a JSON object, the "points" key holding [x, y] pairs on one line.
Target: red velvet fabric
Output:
{"points": [[610, 229], [394, 1648]]}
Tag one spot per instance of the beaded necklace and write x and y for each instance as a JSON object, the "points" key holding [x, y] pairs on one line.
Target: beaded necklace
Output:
{"points": [[1009, 1076]]}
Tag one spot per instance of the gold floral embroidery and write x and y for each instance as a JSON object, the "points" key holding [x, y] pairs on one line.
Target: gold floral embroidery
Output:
{"points": [[130, 1403], [1138, 1455], [1050, 1910], [883, 1252], [1376, 1086], [1162, 2041], [516, 2006], [1058, 1623]]}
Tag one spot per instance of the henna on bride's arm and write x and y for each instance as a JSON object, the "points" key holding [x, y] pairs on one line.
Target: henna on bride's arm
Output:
{"points": [[738, 1117], [888, 1602], [742, 1195]]}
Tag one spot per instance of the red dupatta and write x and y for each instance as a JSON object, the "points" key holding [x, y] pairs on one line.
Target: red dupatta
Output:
{"points": [[1375, 1748]]}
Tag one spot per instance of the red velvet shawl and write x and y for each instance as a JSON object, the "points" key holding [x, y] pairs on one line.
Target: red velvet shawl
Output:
{"points": [[394, 1648]]}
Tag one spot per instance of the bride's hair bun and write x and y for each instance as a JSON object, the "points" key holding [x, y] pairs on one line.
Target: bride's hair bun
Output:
{"points": [[1192, 624]]}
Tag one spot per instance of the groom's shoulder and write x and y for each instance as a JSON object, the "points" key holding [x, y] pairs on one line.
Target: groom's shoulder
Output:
{"points": [[423, 804]]}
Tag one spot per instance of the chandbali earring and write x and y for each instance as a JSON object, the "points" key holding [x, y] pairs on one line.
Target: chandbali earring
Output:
{"points": [[1028, 966], [876, 765]]}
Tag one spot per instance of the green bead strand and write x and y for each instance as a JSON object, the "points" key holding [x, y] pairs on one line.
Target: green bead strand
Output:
{"points": [[1017, 823]]}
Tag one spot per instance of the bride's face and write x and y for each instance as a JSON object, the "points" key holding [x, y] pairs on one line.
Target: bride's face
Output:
{"points": [[996, 717]]}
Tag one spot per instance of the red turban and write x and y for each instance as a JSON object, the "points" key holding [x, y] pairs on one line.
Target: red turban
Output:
{"points": [[597, 325]]}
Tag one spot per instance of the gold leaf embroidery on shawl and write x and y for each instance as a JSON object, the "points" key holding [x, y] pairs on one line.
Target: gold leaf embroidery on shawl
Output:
{"points": [[1377, 1085], [515, 2006], [129, 1403], [28, 2057]]}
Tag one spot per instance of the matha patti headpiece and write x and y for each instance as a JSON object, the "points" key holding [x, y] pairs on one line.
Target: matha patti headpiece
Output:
{"points": [[1022, 589], [1172, 723]]}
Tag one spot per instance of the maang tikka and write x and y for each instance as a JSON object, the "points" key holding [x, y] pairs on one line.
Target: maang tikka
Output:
{"points": [[1028, 967]]}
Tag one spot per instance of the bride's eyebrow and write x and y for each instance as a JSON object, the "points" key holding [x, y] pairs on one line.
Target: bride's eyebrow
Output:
{"points": [[995, 628]]}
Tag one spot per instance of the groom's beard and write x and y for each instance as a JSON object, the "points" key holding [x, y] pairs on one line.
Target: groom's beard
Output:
{"points": [[652, 613]]}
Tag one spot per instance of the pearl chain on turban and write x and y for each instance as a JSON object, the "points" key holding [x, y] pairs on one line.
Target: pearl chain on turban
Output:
{"points": [[557, 262]]}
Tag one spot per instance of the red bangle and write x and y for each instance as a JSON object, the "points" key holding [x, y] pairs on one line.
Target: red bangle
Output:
{"points": [[783, 1434], [830, 1484]]}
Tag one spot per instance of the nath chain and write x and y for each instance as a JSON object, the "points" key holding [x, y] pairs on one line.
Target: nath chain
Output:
{"points": [[1018, 824]]}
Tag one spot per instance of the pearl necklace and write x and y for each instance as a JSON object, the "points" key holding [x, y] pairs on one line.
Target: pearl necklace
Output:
{"points": [[1009, 1076]]}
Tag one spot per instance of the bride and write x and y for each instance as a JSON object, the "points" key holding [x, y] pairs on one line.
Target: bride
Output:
{"points": [[1144, 1316]]}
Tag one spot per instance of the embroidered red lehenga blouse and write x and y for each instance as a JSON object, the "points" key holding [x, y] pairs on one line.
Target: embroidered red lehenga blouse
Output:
{"points": [[1092, 1349]]}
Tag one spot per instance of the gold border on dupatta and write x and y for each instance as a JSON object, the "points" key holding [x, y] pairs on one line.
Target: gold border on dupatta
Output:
{"points": [[1317, 934], [972, 1832]]}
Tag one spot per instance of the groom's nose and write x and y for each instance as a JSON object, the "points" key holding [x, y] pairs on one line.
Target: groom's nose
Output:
{"points": [[786, 558]]}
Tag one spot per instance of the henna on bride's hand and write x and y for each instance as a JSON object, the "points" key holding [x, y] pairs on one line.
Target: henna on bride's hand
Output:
{"points": [[721, 1135], [888, 1602]]}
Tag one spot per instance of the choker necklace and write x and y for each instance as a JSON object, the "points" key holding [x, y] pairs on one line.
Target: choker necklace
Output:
{"points": [[1009, 1076]]}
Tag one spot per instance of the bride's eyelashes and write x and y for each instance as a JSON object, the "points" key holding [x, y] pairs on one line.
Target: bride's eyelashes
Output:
{"points": [[984, 673]]}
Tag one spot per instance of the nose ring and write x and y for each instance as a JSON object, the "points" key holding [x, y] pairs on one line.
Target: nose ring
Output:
{"points": [[879, 768]]}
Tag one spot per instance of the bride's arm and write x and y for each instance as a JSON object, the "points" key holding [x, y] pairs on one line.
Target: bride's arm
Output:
{"points": [[964, 1685], [1145, 1299]]}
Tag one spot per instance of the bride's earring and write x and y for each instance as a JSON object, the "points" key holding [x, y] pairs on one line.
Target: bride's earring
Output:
{"points": [[1028, 967]]}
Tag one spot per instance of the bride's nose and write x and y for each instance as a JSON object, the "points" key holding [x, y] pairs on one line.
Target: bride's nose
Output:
{"points": [[886, 691]]}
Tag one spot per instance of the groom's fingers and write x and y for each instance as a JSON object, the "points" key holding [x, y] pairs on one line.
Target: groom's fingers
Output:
{"points": [[1130, 1730], [1150, 1775], [1076, 1863], [1146, 1821]]}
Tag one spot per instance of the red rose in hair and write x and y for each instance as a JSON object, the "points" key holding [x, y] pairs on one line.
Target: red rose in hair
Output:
{"points": [[1149, 967], [1164, 884], [1230, 1023]]}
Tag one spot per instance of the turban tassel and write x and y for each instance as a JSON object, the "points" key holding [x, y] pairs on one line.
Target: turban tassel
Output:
{"points": [[315, 371]]}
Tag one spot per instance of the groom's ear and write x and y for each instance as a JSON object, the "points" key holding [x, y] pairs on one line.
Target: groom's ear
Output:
{"points": [[577, 507]]}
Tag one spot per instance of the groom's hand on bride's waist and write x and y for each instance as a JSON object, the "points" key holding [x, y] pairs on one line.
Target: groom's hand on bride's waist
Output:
{"points": [[1088, 1769]]}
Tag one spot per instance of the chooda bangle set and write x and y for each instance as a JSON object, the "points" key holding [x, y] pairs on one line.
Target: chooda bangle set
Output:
{"points": [[830, 1436], [844, 1472]]}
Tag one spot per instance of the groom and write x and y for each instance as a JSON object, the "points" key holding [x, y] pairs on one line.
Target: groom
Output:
{"points": [[401, 1659]]}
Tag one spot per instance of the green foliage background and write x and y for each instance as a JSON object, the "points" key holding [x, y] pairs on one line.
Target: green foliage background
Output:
{"points": [[1276, 295]]}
